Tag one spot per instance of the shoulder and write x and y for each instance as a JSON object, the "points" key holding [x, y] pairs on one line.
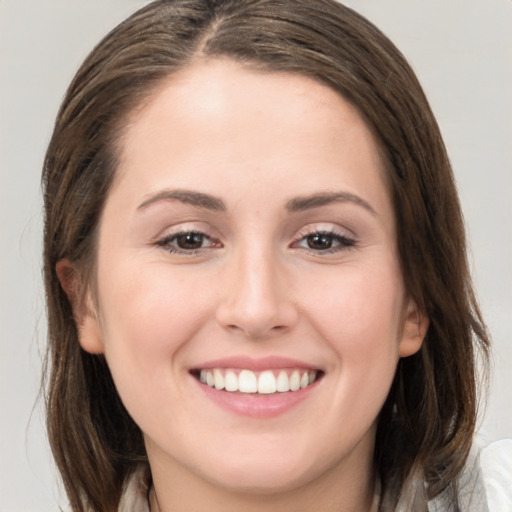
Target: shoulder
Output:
{"points": [[496, 465], [485, 482], [471, 495]]}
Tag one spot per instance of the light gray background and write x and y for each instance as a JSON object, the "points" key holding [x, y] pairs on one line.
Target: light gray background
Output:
{"points": [[462, 52]]}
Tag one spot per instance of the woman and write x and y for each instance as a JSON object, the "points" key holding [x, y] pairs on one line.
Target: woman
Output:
{"points": [[255, 265]]}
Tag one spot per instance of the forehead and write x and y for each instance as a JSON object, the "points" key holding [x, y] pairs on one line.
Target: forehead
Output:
{"points": [[219, 117]]}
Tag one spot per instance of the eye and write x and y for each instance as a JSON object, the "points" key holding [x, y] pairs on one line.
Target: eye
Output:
{"points": [[187, 242], [326, 242]]}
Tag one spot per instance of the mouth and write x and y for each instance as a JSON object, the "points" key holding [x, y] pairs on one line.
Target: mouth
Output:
{"points": [[266, 382]]}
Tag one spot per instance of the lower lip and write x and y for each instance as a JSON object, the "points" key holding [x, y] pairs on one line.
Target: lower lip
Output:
{"points": [[255, 405]]}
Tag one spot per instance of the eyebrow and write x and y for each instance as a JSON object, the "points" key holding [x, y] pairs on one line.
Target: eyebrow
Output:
{"points": [[185, 196], [297, 204], [300, 204]]}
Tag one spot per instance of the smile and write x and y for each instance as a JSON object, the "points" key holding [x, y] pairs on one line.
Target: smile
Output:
{"points": [[265, 382]]}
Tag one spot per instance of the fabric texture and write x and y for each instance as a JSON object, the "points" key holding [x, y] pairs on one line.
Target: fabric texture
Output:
{"points": [[135, 497], [496, 463], [471, 491]]}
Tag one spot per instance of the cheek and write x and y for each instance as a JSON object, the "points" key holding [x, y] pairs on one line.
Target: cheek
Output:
{"points": [[359, 315], [148, 316], [358, 308], [150, 305]]}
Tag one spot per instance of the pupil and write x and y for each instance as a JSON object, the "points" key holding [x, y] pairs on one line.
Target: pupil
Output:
{"points": [[319, 241], [190, 241]]}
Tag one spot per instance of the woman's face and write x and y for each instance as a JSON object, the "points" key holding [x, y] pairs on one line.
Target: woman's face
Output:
{"points": [[249, 242]]}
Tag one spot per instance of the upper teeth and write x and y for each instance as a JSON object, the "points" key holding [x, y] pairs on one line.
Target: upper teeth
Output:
{"points": [[266, 382]]}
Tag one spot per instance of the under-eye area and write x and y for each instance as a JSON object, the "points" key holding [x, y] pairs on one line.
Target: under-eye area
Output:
{"points": [[258, 382]]}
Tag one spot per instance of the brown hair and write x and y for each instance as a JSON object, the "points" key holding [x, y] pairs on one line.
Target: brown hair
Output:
{"points": [[429, 417]]}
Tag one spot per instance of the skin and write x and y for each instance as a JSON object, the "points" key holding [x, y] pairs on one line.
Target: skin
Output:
{"points": [[255, 287]]}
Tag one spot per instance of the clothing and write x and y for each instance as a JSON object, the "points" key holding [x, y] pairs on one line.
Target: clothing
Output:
{"points": [[472, 496], [471, 492], [135, 497]]}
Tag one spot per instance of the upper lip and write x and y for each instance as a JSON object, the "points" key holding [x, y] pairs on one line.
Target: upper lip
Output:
{"points": [[259, 364]]}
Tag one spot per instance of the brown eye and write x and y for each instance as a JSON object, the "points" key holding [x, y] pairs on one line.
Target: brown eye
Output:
{"points": [[320, 241], [325, 242], [190, 241], [187, 242]]}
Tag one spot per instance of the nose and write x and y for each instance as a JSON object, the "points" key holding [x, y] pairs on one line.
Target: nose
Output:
{"points": [[257, 299]]}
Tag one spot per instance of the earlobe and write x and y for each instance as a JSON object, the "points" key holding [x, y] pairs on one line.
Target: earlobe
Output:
{"points": [[89, 332], [414, 332]]}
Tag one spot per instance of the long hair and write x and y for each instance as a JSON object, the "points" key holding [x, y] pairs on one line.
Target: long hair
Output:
{"points": [[428, 420]]}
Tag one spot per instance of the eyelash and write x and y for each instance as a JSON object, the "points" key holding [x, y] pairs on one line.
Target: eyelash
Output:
{"points": [[168, 240], [343, 242]]}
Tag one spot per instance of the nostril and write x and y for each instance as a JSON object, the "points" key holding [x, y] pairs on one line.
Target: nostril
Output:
{"points": [[255, 312], [257, 330]]}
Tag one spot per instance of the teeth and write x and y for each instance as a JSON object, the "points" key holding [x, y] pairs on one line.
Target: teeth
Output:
{"points": [[247, 382], [295, 381], [231, 381], [267, 382], [218, 379], [283, 382]]}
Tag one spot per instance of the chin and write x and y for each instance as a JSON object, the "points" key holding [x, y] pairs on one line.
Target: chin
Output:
{"points": [[266, 483], [264, 475]]}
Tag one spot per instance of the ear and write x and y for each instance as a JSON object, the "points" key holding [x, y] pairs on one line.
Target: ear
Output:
{"points": [[84, 311], [414, 331]]}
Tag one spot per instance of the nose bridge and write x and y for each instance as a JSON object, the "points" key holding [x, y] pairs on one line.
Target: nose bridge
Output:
{"points": [[256, 299]]}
